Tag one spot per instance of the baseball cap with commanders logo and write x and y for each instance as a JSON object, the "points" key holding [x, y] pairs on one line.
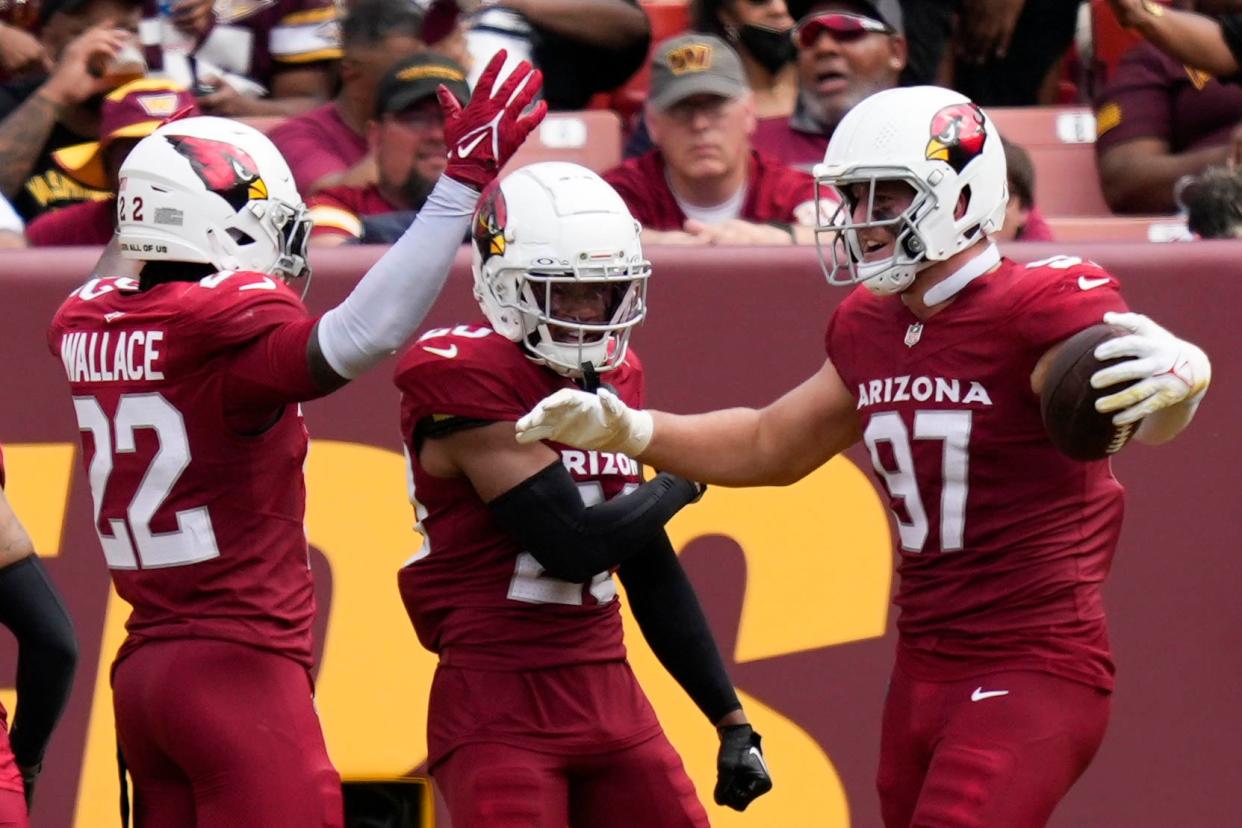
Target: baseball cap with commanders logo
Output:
{"points": [[134, 110], [416, 78], [695, 64]]}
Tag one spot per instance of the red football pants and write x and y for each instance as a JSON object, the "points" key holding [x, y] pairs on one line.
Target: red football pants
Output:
{"points": [[963, 754], [490, 785], [221, 735]]}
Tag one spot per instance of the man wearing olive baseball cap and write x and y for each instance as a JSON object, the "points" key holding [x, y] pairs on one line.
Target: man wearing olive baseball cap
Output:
{"points": [[406, 137], [704, 183]]}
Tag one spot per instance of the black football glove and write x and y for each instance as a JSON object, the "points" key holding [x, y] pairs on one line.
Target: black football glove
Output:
{"points": [[741, 772]]}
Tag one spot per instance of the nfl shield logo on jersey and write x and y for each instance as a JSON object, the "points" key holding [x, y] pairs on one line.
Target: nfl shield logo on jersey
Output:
{"points": [[913, 334]]}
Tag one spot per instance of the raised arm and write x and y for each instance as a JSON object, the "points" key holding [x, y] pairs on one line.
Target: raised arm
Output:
{"points": [[26, 130], [1193, 39], [394, 296]]}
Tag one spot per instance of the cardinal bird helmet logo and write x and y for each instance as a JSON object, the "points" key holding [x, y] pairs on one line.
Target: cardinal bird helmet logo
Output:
{"points": [[490, 219], [958, 134], [225, 169]]}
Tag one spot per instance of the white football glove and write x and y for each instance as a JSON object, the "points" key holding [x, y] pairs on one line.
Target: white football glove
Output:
{"points": [[590, 421], [1169, 370]]}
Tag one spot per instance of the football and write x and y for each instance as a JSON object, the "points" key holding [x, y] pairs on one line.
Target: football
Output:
{"points": [[1068, 400]]}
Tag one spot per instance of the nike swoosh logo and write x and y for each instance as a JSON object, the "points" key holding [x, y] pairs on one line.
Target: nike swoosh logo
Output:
{"points": [[754, 751], [447, 353], [464, 149], [980, 694], [1088, 284]]}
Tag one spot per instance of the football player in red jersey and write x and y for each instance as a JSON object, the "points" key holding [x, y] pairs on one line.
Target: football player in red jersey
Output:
{"points": [[32, 610], [1000, 692], [186, 384], [535, 716]]}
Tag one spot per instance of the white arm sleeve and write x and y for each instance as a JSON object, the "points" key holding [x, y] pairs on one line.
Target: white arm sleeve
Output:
{"points": [[394, 296]]}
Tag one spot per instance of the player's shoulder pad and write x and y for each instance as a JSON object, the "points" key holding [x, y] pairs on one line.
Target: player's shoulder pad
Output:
{"points": [[1065, 274], [466, 370], [98, 286], [233, 291], [456, 350], [81, 302], [243, 282]]}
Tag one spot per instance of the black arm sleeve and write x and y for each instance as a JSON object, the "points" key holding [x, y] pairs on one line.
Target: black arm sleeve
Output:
{"points": [[47, 655], [668, 613], [574, 542]]}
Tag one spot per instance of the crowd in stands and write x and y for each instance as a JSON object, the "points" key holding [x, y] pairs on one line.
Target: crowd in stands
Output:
{"points": [[737, 99]]}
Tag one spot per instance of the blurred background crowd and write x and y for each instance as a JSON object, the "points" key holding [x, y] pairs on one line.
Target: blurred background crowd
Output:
{"points": [[1122, 118]]}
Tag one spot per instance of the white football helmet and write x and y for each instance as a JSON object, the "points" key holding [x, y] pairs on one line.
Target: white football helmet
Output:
{"points": [[216, 191], [546, 233], [941, 144]]}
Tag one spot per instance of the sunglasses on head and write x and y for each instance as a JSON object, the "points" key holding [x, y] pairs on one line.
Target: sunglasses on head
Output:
{"points": [[843, 28]]}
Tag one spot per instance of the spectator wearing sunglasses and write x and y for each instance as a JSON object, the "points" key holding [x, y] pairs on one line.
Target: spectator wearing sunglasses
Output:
{"points": [[847, 50], [704, 183], [406, 137]]}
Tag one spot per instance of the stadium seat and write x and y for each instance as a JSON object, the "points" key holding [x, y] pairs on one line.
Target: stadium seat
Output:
{"points": [[591, 138], [1119, 228], [1061, 141]]}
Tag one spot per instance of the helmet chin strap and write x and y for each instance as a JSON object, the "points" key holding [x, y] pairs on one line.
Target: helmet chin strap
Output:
{"points": [[887, 278], [960, 278], [590, 378]]}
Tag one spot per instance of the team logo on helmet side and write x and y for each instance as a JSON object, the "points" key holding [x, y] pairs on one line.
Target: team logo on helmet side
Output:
{"points": [[488, 228], [958, 134], [225, 169]]}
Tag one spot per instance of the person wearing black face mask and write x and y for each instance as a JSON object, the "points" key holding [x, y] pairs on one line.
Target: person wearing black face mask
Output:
{"points": [[772, 48], [759, 30]]}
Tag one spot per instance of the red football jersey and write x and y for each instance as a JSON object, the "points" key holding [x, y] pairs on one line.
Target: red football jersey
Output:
{"points": [[1004, 542], [183, 395], [474, 596]]}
